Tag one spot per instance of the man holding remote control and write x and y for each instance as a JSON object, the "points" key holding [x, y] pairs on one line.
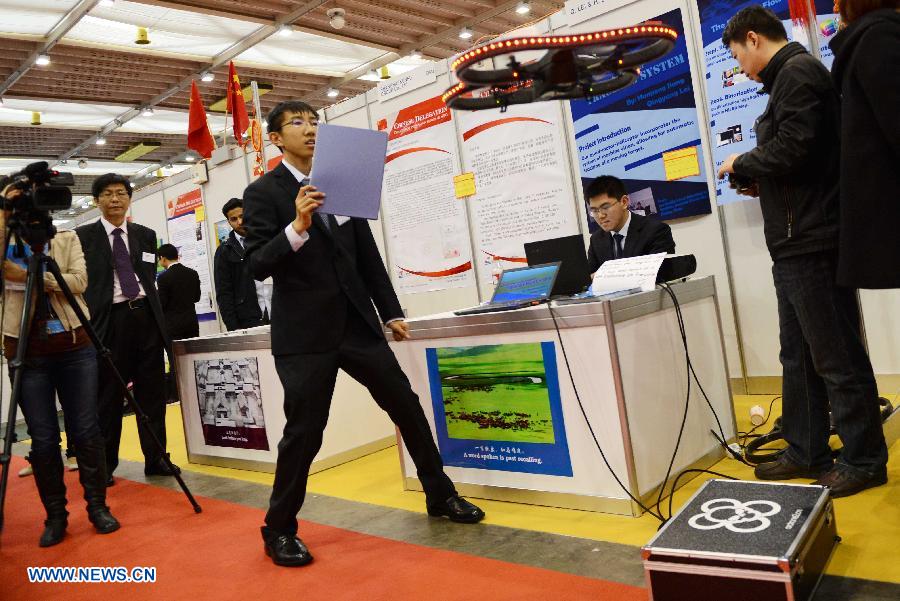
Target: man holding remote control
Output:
{"points": [[794, 171]]}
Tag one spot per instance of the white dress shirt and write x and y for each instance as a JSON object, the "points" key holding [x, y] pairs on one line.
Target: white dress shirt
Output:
{"points": [[118, 297], [298, 240], [263, 289]]}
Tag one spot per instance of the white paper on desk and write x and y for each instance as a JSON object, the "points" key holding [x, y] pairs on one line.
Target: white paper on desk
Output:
{"points": [[624, 274], [348, 166]]}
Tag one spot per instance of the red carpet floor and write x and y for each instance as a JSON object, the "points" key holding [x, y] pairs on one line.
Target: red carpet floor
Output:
{"points": [[218, 555]]}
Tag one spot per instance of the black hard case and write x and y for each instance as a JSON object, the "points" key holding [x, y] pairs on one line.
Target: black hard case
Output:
{"points": [[710, 561]]}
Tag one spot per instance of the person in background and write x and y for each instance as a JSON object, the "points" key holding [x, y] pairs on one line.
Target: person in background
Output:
{"points": [[125, 312], [179, 290], [243, 302], [622, 233], [795, 168], [866, 71], [60, 362]]}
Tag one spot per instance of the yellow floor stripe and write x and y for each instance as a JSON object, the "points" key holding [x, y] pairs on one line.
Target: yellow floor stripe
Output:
{"points": [[869, 522]]}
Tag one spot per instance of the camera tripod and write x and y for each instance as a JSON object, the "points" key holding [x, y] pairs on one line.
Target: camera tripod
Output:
{"points": [[37, 239]]}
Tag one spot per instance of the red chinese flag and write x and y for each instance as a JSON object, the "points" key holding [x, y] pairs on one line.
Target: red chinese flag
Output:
{"points": [[199, 138], [236, 106]]}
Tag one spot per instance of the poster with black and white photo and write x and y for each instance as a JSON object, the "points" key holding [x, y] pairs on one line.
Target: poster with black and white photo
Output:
{"points": [[230, 403]]}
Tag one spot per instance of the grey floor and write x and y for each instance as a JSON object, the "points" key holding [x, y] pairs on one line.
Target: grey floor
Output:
{"points": [[579, 556]]}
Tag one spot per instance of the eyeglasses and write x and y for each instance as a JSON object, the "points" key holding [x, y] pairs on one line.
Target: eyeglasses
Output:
{"points": [[602, 209], [116, 193], [299, 123]]}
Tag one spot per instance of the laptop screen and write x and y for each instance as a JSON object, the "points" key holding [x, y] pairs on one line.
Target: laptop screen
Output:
{"points": [[526, 283]]}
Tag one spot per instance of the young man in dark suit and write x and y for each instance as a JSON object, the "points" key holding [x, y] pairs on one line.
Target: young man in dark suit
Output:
{"points": [[125, 312], [622, 233], [179, 290], [237, 293], [327, 274]]}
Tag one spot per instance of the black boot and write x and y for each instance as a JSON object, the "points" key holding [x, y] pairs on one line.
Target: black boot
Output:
{"points": [[48, 475], [92, 474]]}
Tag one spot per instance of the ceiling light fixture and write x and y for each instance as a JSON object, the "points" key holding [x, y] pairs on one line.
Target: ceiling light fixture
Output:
{"points": [[336, 17], [107, 3], [285, 30], [82, 164], [143, 37], [100, 141], [190, 158], [208, 76], [42, 60], [523, 8], [147, 111], [415, 55], [465, 33], [332, 93]]}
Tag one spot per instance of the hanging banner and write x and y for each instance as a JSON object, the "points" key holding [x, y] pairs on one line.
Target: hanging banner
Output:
{"points": [[426, 227], [497, 407], [734, 101], [648, 135], [187, 232], [522, 188]]}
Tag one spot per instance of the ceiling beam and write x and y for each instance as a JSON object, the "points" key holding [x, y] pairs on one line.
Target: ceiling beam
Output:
{"points": [[220, 59], [419, 44], [55, 35]]}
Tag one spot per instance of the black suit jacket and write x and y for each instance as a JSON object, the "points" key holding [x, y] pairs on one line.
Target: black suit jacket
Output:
{"points": [[179, 289], [98, 256], [235, 288], [314, 288], [646, 236]]}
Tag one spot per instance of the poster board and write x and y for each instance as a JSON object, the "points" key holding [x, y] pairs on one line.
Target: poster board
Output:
{"points": [[187, 231]]}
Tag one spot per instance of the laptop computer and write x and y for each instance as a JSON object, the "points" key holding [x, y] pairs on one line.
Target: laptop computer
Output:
{"points": [[574, 273], [518, 288]]}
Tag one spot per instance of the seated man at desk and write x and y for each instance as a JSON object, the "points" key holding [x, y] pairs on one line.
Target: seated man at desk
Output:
{"points": [[622, 233]]}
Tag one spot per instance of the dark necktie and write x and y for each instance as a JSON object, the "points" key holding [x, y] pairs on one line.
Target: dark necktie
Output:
{"points": [[124, 269], [323, 219], [619, 252]]}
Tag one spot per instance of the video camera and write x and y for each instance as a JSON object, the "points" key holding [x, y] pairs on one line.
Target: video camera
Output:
{"points": [[43, 189]]}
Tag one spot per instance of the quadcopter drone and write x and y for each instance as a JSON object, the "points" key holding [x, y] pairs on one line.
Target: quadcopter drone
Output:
{"points": [[573, 66]]}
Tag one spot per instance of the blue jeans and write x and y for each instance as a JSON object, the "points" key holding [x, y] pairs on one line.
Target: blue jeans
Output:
{"points": [[826, 367], [72, 376]]}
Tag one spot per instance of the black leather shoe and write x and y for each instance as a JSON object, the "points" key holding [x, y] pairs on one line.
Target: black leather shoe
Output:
{"points": [[458, 510], [843, 482], [103, 520], [785, 469], [160, 468], [285, 549], [54, 531]]}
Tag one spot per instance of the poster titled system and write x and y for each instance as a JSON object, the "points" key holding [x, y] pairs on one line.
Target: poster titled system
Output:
{"points": [[427, 229], [648, 135]]}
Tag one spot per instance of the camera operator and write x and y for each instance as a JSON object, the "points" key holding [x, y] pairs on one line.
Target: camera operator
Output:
{"points": [[60, 360]]}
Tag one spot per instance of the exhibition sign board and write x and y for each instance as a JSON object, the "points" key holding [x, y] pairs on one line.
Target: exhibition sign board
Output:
{"points": [[426, 229], [497, 407], [185, 216], [827, 24], [648, 135], [523, 190]]}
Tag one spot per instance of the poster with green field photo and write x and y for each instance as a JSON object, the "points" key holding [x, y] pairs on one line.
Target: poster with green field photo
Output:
{"points": [[498, 407]]}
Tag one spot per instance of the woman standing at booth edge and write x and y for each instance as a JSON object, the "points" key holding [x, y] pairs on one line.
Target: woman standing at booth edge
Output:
{"points": [[866, 52], [64, 363]]}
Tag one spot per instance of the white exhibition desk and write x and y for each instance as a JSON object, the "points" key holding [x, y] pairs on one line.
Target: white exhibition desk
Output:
{"points": [[232, 406], [509, 437]]}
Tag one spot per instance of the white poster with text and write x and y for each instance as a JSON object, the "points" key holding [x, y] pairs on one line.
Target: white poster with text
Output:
{"points": [[427, 230], [523, 186]]}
